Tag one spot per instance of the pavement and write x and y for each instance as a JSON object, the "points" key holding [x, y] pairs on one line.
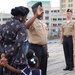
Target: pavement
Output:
{"points": [[56, 60]]}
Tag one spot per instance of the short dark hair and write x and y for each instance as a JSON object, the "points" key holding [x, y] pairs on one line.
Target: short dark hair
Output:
{"points": [[32, 59], [21, 10], [69, 10]]}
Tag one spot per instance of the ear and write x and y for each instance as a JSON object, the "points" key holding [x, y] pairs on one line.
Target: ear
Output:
{"points": [[34, 10]]}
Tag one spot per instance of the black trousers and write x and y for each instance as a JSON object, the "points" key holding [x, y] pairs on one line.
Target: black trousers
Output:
{"points": [[68, 51], [41, 53]]}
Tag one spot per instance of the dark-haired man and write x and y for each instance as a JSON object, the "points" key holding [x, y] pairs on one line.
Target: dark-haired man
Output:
{"points": [[37, 31]]}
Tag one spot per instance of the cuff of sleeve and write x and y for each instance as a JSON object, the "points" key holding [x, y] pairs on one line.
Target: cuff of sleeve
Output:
{"points": [[21, 71]]}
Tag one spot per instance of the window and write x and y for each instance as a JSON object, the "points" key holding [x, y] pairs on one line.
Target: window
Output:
{"points": [[47, 24], [47, 11], [46, 18], [0, 19], [54, 25], [55, 11], [63, 10], [9, 18], [59, 19], [59, 24], [54, 19], [5, 19], [62, 1], [51, 11], [58, 10], [62, 6], [64, 18], [73, 18], [68, 5], [70, 0], [71, 5], [53, 30]]}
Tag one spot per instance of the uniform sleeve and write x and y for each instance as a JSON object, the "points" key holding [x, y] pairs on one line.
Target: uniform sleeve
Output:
{"points": [[74, 29], [73, 24], [61, 28], [19, 41], [25, 71], [32, 27]]}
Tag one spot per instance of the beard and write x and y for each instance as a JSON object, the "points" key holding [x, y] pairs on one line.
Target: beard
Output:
{"points": [[40, 17]]}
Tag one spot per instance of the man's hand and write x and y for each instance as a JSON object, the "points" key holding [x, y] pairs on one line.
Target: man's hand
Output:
{"points": [[39, 11], [47, 54], [61, 41]]}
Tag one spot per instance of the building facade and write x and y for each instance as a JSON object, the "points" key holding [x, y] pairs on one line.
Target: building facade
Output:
{"points": [[4, 17], [53, 17], [47, 12], [56, 21], [67, 4]]}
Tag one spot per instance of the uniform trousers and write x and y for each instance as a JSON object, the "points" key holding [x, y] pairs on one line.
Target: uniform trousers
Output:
{"points": [[41, 53], [68, 51]]}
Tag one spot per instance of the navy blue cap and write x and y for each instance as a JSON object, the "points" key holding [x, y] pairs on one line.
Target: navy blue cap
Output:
{"points": [[36, 5], [69, 10]]}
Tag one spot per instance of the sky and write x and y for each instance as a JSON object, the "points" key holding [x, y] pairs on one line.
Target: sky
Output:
{"points": [[7, 5]]}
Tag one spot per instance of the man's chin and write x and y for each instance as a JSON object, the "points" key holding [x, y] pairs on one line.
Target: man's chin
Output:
{"points": [[40, 17]]}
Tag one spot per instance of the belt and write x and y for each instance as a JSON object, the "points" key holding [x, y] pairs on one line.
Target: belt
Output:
{"points": [[67, 35], [38, 44]]}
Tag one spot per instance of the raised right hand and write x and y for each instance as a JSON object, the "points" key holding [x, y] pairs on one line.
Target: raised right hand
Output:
{"points": [[39, 11]]}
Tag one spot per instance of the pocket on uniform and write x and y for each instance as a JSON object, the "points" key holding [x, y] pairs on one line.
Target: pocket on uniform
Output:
{"points": [[64, 26], [71, 26]]}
